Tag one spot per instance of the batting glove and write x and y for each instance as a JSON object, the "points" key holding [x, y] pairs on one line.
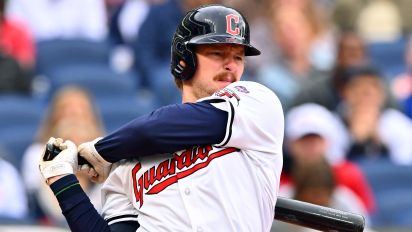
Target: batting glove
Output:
{"points": [[64, 163], [100, 168]]}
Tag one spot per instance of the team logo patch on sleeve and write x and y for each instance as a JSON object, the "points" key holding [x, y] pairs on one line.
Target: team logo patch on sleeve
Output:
{"points": [[241, 89], [227, 93]]}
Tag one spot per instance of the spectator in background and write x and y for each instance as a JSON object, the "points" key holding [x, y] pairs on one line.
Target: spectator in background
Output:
{"points": [[71, 115], [314, 134], [152, 46], [296, 31], [380, 24], [63, 19], [402, 83], [13, 79], [375, 132], [16, 40], [13, 200], [16, 56], [315, 183], [351, 50], [125, 19], [112, 6]]}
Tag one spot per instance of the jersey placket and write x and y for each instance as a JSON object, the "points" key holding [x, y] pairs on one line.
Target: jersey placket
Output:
{"points": [[188, 192]]}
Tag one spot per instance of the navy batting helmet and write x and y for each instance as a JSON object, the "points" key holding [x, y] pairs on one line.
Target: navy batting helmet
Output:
{"points": [[210, 24]]}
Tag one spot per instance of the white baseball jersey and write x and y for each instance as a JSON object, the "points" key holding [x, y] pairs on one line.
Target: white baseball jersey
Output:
{"points": [[231, 186]]}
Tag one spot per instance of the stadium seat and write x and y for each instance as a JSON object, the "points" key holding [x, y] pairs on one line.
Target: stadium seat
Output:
{"points": [[57, 53], [20, 117], [117, 111], [384, 175], [19, 111], [394, 208], [100, 80], [389, 56], [391, 185], [15, 142]]}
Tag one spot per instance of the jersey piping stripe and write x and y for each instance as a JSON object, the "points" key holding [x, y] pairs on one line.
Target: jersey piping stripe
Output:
{"points": [[126, 217], [214, 100], [232, 116]]}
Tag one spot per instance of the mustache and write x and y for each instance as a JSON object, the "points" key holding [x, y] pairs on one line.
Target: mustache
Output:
{"points": [[225, 76]]}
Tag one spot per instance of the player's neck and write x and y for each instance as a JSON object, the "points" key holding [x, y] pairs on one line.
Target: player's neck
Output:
{"points": [[186, 98]]}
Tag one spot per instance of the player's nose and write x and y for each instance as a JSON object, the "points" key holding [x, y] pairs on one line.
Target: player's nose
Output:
{"points": [[230, 64]]}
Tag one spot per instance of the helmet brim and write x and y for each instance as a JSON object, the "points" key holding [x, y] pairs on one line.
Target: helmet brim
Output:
{"points": [[224, 39]]}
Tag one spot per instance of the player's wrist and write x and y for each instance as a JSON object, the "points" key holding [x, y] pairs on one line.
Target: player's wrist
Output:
{"points": [[99, 168], [57, 169], [53, 179]]}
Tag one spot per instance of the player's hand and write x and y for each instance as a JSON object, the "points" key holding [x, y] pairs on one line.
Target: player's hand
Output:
{"points": [[100, 168], [63, 164]]}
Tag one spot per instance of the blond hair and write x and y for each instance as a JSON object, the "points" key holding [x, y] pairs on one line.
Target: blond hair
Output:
{"points": [[48, 126]]}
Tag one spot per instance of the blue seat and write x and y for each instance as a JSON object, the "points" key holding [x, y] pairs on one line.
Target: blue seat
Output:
{"points": [[19, 111], [119, 115], [15, 142], [20, 117], [389, 56], [117, 111], [392, 187], [100, 80], [386, 176], [57, 53], [394, 208]]}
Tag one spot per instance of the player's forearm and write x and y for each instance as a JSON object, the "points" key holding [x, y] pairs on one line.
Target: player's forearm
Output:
{"points": [[76, 207], [166, 130]]}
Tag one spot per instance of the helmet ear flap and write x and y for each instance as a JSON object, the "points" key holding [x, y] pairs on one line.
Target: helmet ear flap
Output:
{"points": [[182, 52]]}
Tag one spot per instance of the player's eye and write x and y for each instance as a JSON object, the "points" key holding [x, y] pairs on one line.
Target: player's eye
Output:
{"points": [[239, 58], [216, 53]]}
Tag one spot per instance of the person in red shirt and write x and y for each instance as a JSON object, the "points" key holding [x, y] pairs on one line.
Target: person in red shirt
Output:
{"points": [[313, 133], [16, 40]]}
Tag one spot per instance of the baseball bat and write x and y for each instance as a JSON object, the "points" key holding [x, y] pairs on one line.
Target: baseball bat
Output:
{"points": [[317, 217], [287, 210]]}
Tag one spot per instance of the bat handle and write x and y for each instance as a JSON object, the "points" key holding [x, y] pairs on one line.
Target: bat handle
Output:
{"points": [[52, 151]]}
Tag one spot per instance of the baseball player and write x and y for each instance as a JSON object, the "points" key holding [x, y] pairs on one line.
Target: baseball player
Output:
{"points": [[212, 163]]}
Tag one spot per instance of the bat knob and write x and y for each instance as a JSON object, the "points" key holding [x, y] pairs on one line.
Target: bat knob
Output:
{"points": [[51, 152]]}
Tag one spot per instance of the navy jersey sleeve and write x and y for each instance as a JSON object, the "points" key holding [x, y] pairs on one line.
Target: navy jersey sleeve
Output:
{"points": [[168, 129], [76, 206], [79, 212]]}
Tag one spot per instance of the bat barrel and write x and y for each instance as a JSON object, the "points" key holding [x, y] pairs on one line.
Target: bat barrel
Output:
{"points": [[317, 217]]}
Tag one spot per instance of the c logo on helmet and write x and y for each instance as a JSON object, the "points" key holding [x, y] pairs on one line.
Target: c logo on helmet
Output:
{"points": [[231, 27]]}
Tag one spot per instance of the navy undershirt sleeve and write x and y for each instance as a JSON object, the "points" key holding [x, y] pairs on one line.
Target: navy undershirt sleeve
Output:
{"points": [[165, 130], [79, 212]]}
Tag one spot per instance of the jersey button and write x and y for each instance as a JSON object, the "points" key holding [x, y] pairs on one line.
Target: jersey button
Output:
{"points": [[187, 191]]}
